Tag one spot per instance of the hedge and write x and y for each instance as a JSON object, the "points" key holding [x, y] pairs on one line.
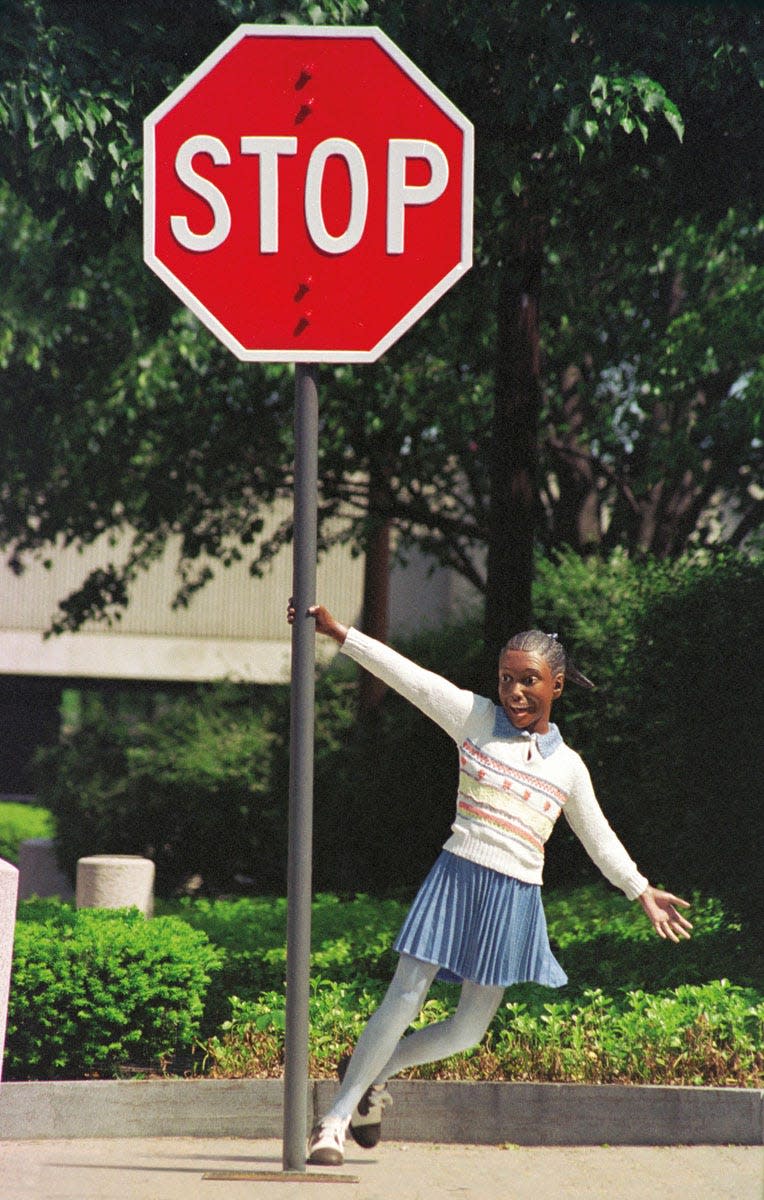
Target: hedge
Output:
{"points": [[673, 734], [93, 990], [201, 988]]}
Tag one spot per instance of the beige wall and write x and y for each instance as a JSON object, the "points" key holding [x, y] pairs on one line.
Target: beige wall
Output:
{"points": [[234, 627]]}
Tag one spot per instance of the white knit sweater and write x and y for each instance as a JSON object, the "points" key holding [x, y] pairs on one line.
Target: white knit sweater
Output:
{"points": [[512, 785]]}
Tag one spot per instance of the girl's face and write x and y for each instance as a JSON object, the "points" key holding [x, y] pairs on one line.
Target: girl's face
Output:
{"points": [[527, 689]]}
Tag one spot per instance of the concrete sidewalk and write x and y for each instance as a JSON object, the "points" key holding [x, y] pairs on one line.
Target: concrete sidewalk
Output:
{"points": [[175, 1168], [110, 1140]]}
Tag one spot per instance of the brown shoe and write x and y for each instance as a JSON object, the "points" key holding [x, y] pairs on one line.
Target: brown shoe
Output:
{"points": [[366, 1121]]}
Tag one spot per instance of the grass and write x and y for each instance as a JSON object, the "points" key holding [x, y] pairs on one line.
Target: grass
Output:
{"points": [[18, 823], [636, 1009]]}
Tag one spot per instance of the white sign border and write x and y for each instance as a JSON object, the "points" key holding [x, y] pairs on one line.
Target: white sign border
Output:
{"points": [[187, 296]]}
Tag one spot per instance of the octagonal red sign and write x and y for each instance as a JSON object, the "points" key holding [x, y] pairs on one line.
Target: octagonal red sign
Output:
{"points": [[308, 193]]}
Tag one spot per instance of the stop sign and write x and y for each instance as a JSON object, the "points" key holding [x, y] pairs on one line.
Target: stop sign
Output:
{"points": [[308, 193]]}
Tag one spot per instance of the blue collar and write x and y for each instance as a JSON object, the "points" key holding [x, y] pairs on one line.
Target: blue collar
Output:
{"points": [[546, 742]]}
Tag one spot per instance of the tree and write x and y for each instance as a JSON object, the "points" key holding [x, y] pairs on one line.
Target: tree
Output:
{"points": [[589, 99], [657, 433], [564, 317]]}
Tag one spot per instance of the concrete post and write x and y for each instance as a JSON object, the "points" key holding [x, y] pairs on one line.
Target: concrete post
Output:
{"points": [[9, 886], [39, 872], [116, 881]]}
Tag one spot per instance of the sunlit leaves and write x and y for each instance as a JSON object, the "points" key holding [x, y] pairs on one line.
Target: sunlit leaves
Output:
{"points": [[579, 120]]}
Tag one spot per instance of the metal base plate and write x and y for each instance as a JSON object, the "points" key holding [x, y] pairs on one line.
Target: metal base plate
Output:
{"points": [[280, 1177]]}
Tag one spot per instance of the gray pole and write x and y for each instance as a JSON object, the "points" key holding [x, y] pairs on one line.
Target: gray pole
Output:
{"points": [[299, 872]]}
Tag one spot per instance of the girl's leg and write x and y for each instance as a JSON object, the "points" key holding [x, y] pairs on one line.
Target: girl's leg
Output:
{"points": [[476, 1009], [401, 1005]]}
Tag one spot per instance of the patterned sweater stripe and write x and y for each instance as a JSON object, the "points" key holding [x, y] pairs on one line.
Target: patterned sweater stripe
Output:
{"points": [[507, 805], [513, 785], [504, 776], [486, 816]]}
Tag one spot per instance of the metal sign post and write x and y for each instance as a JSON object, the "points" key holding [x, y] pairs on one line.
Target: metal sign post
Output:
{"points": [[299, 870], [300, 845]]}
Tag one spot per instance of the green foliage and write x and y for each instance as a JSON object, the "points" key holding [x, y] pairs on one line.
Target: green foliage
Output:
{"points": [[602, 938], [671, 734], [704, 1035], [191, 788], [635, 1009], [349, 938], [384, 801], [620, 102], [98, 992], [647, 429], [18, 823], [77, 81], [251, 1040], [94, 990], [605, 942], [385, 781], [702, 821]]}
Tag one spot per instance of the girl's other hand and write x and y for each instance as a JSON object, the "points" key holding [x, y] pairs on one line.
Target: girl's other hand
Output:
{"points": [[662, 912], [325, 622]]}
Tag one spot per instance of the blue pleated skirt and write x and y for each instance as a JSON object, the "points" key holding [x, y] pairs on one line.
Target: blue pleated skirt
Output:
{"points": [[479, 925]]}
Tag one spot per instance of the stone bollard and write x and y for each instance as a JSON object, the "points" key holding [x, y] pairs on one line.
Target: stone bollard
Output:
{"points": [[9, 886], [116, 881], [39, 872]]}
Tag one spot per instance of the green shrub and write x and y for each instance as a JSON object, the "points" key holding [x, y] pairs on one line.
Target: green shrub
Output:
{"points": [[636, 1009], [385, 783], [349, 938], [94, 990], [672, 733], [691, 745], [383, 802], [190, 788], [708, 1034], [604, 940], [19, 823], [251, 1042]]}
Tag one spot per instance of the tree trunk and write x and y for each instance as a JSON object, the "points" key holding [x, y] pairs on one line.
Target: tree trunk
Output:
{"points": [[576, 517], [514, 445]]}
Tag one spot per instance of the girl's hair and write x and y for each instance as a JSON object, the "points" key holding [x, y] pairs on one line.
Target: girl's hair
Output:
{"points": [[548, 646]]}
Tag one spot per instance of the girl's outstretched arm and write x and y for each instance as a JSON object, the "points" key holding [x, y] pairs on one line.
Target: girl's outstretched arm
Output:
{"points": [[662, 912], [451, 707], [325, 622]]}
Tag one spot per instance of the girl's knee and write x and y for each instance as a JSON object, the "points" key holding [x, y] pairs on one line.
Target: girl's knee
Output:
{"points": [[467, 1032], [408, 988], [477, 1008], [410, 999]]}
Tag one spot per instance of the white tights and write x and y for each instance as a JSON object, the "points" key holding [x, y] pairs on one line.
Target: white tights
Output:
{"points": [[382, 1051]]}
